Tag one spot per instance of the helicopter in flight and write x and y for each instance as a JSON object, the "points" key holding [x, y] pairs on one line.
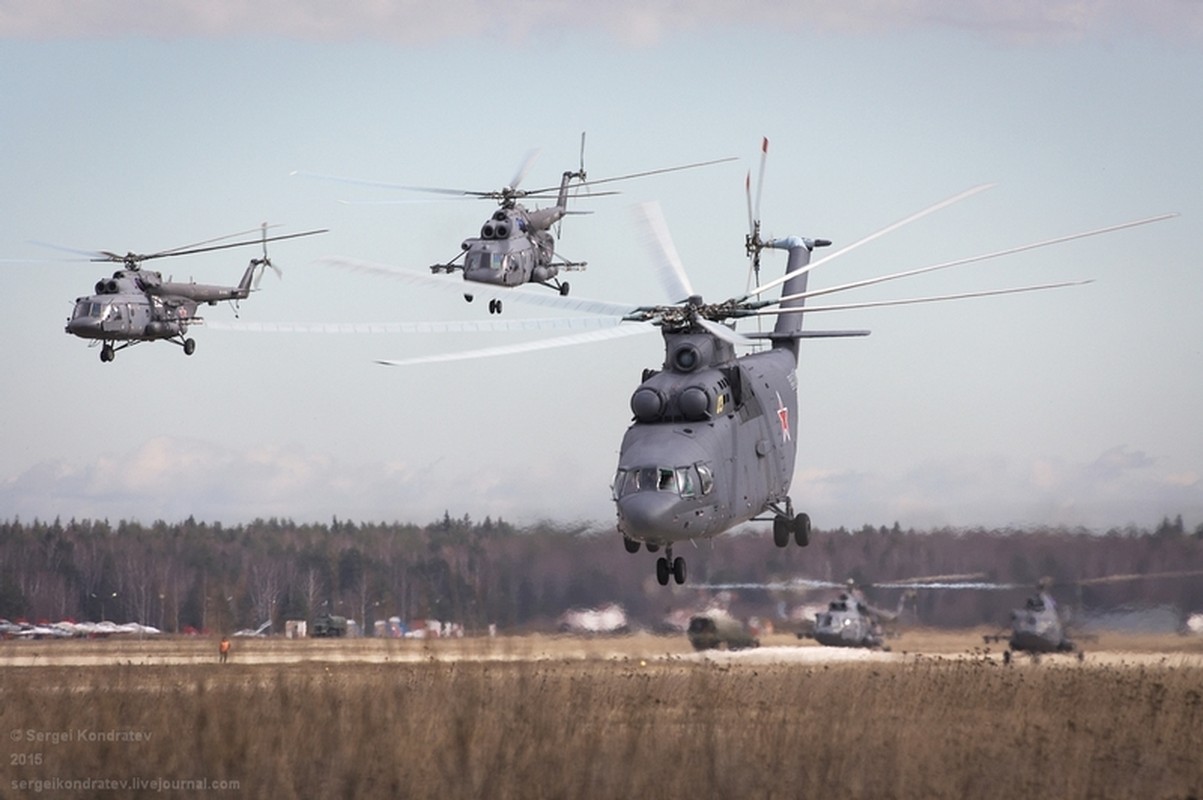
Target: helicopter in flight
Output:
{"points": [[714, 437], [136, 305], [515, 245]]}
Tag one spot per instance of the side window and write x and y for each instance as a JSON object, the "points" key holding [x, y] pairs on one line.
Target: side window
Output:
{"points": [[619, 479], [706, 478], [685, 482]]}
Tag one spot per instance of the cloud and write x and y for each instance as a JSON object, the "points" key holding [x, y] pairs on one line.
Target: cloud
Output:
{"points": [[171, 479], [1121, 486], [634, 22]]}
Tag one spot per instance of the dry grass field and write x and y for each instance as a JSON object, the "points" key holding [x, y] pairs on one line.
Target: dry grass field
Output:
{"points": [[639, 716]]}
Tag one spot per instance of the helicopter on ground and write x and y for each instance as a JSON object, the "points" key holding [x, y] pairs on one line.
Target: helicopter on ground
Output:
{"points": [[714, 438], [136, 305], [515, 245], [850, 620], [1040, 627]]}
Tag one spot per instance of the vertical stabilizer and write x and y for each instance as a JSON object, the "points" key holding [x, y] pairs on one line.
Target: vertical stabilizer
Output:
{"points": [[799, 256]]}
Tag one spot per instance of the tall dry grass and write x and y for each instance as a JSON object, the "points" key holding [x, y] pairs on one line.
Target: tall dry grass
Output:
{"points": [[954, 728]]}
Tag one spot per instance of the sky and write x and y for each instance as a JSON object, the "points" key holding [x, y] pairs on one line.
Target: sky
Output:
{"points": [[147, 124]]}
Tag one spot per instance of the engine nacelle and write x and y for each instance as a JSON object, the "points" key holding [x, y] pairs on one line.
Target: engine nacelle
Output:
{"points": [[673, 397]]}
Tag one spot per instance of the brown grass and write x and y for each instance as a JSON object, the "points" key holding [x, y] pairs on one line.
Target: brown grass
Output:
{"points": [[615, 726]]}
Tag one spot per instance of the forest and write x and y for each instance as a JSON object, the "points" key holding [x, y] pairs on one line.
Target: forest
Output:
{"points": [[197, 576]]}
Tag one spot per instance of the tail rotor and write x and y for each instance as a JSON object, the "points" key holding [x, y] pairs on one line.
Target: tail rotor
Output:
{"points": [[261, 264], [752, 242]]}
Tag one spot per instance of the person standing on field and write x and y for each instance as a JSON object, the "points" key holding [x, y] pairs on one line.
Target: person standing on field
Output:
{"points": [[223, 649]]}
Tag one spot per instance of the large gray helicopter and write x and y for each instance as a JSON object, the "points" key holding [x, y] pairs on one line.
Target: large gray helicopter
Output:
{"points": [[136, 305], [714, 438], [515, 245]]}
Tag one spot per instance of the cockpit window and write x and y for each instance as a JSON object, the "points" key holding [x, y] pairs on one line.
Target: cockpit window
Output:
{"points": [[620, 479], [92, 309], [686, 485], [665, 479], [689, 481]]}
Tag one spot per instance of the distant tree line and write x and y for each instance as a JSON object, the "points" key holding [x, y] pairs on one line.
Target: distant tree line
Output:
{"points": [[199, 576]]}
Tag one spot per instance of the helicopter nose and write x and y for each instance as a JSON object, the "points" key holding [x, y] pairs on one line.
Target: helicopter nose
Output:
{"points": [[81, 326], [650, 516]]}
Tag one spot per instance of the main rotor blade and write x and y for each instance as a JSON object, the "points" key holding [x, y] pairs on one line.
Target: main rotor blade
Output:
{"points": [[540, 298], [468, 196], [659, 242], [725, 333], [641, 174], [983, 257], [626, 329], [1135, 577], [452, 326], [227, 246], [89, 253], [914, 300], [193, 246], [386, 185], [524, 167], [956, 198], [793, 584], [660, 171], [748, 195], [986, 586], [764, 155]]}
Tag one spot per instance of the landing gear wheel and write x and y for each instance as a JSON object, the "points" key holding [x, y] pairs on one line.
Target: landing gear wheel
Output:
{"points": [[802, 529], [662, 571], [468, 297], [189, 346], [652, 547], [678, 570], [107, 354], [494, 306], [632, 545], [781, 529], [564, 289]]}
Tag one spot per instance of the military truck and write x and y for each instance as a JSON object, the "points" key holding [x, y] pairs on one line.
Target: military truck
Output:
{"points": [[715, 629], [325, 625]]}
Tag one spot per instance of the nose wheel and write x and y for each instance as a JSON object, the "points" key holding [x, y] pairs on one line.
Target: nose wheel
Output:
{"points": [[669, 567]]}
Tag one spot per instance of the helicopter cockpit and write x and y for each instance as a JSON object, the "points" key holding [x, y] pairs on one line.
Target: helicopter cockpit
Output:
{"points": [[92, 310], [481, 260], [691, 481]]}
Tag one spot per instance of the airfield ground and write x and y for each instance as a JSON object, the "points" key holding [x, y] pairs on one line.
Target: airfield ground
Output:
{"points": [[638, 716]]}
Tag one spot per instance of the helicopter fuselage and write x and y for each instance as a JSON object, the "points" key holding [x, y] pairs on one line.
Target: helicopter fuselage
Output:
{"points": [[130, 307], [846, 624], [510, 251], [136, 305], [1037, 628], [712, 444]]}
